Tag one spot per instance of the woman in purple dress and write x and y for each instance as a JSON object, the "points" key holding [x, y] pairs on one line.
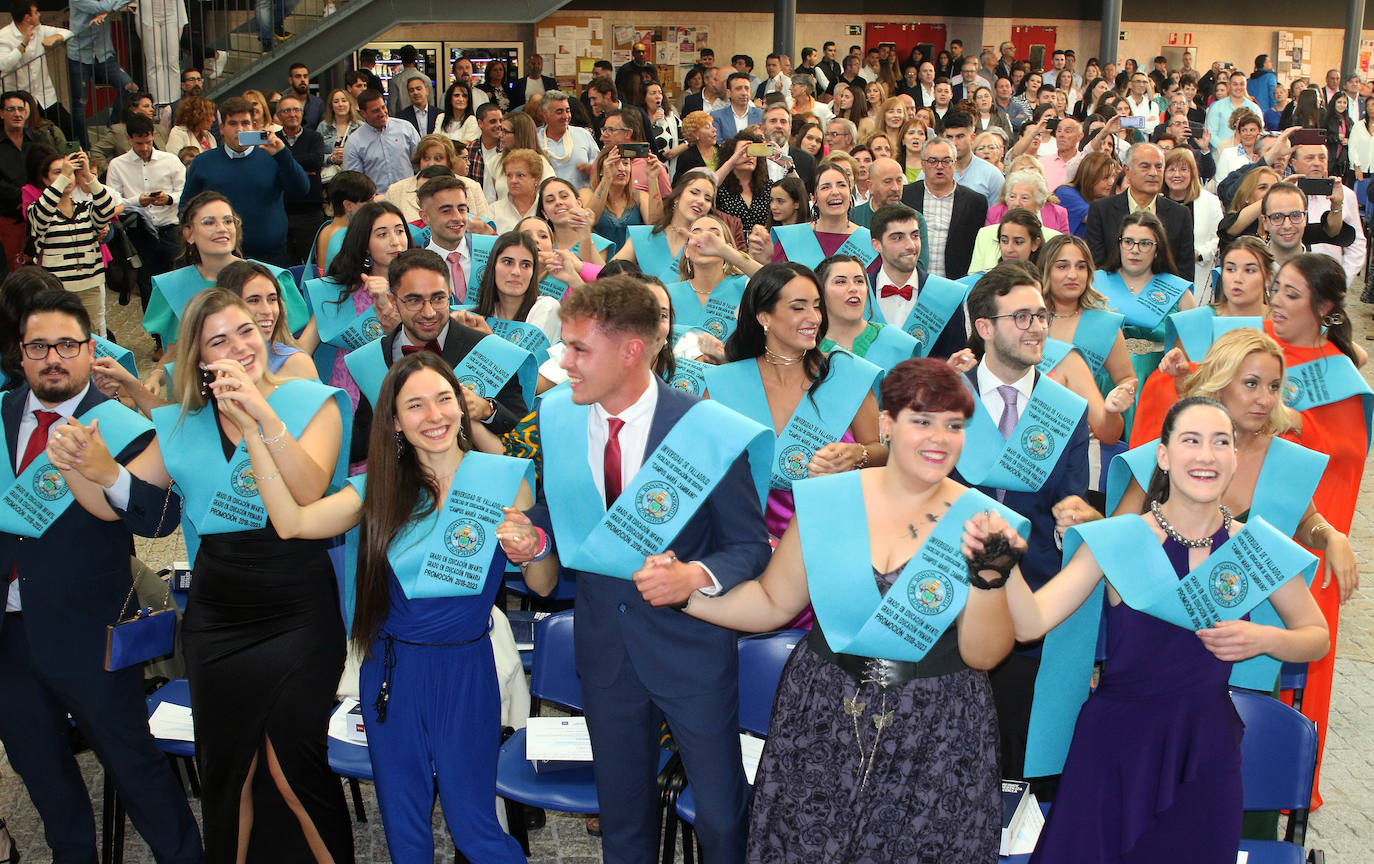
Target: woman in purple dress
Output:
{"points": [[1153, 773]]}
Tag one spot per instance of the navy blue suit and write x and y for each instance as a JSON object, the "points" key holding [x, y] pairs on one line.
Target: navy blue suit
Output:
{"points": [[73, 583], [639, 664], [951, 340], [1013, 682]]}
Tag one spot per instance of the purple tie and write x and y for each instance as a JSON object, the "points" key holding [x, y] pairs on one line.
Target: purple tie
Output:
{"points": [[1007, 423]]}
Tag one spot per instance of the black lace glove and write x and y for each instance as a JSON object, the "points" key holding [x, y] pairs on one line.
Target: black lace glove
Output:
{"points": [[998, 554]]}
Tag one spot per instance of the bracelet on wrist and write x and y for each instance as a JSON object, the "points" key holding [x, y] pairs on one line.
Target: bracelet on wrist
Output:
{"points": [[543, 546], [275, 438]]}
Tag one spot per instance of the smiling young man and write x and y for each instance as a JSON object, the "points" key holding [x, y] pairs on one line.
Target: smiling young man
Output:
{"points": [[642, 537], [420, 291], [928, 308], [1027, 446]]}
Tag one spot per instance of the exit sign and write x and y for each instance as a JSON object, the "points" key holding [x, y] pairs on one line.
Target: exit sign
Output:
{"points": [[1123, 36], [854, 30]]}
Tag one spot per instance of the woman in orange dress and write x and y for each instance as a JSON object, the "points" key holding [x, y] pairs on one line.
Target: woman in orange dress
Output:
{"points": [[1309, 295]]}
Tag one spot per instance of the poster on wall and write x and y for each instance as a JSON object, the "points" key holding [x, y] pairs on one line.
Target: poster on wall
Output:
{"points": [[1294, 54], [1366, 56]]}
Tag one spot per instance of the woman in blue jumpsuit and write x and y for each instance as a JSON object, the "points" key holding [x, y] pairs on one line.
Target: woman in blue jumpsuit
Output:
{"points": [[428, 683]]}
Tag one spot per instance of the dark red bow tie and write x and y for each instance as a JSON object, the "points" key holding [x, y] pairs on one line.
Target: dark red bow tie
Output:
{"points": [[431, 345], [891, 290]]}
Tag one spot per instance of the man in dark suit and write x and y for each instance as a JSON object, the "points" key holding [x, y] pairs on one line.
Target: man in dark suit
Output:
{"points": [[419, 113], [1144, 177], [534, 81], [420, 290], [953, 213], [64, 587], [304, 214], [898, 278], [1003, 384], [639, 658]]}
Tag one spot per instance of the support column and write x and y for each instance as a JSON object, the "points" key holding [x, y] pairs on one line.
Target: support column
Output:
{"points": [[1109, 41], [785, 29], [1354, 24]]}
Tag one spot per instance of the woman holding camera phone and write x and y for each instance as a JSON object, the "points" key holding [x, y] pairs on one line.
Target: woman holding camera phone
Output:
{"points": [[743, 179], [613, 201]]}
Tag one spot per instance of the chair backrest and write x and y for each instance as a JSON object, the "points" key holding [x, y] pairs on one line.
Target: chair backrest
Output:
{"points": [[298, 273], [553, 677], [761, 659], [1278, 753]]}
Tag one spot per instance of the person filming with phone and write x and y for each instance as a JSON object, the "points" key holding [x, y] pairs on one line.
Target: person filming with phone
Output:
{"points": [[1328, 200], [255, 171], [151, 179]]}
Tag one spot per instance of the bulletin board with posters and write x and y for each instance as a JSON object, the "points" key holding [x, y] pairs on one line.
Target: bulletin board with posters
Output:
{"points": [[674, 50], [1294, 56], [569, 45]]}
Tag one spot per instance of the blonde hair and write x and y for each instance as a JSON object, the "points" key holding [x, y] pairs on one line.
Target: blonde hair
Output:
{"points": [[694, 123], [1183, 154], [186, 376], [1248, 185], [729, 269], [1219, 368], [533, 162], [353, 115], [255, 97], [429, 142]]}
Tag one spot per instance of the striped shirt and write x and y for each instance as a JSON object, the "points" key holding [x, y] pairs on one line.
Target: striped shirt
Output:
{"points": [[69, 246]]}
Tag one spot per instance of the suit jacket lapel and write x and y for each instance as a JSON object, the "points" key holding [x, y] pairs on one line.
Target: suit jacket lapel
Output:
{"points": [[666, 413], [13, 409]]}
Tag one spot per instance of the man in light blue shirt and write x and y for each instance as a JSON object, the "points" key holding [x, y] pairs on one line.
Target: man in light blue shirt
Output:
{"points": [[969, 170], [1219, 112], [381, 147], [91, 60]]}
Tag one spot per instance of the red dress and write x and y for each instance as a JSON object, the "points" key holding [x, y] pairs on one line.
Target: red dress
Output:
{"points": [[1337, 430]]}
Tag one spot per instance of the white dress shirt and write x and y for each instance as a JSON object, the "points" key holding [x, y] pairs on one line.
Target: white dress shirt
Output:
{"points": [[464, 251], [895, 308], [1352, 256], [27, 424], [992, 399], [25, 67], [128, 177]]}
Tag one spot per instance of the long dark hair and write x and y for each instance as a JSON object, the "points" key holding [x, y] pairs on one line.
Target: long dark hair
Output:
{"points": [[665, 364], [761, 295], [486, 289], [1164, 258], [449, 116], [758, 181], [354, 259], [1026, 219], [1326, 281], [398, 490], [1159, 480]]}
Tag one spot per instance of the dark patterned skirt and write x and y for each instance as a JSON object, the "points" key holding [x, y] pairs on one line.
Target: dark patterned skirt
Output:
{"points": [[931, 791]]}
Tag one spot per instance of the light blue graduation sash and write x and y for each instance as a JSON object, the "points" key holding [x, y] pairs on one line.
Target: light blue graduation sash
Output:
{"points": [[551, 287], [1022, 462], [800, 244], [221, 496], [173, 290], [339, 323], [35, 499], [602, 244], [527, 336], [482, 245], [1147, 308], [1196, 329], [1054, 352], [101, 347], [657, 502], [449, 552], [938, 300], [720, 314], [654, 255], [891, 346], [1235, 578], [1330, 379], [1094, 336], [927, 595], [486, 368], [689, 376], [813, 424]]}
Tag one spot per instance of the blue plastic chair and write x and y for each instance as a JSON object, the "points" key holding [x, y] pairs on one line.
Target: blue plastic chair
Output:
{"points": [[761, 658], [1278, 761], [298, 273]]}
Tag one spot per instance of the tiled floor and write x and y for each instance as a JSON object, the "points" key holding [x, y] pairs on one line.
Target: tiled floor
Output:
{"points": [[1343, 827]]}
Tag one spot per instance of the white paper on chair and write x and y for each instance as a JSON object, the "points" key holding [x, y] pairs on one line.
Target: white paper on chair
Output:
{"points": [[172, 722], [345, 729], [558, 739], [1025, 840], [1242, 857], [751, 749]]}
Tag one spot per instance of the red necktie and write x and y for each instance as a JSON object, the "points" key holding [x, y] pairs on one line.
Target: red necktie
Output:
{"points": [[37, 442], [431, 345], [611, 463], [460, 281], [891, 290]]}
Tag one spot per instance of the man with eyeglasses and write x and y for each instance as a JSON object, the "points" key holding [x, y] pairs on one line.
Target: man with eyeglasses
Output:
{"points": [[953, 213], [1309, 161], [1144, 170], [192, 84], [616, 130], [840, 135], [255, 179], [304, 213], [420, 290], [1010, 320], [65, 580], [1138, 98], [15, 145]]}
